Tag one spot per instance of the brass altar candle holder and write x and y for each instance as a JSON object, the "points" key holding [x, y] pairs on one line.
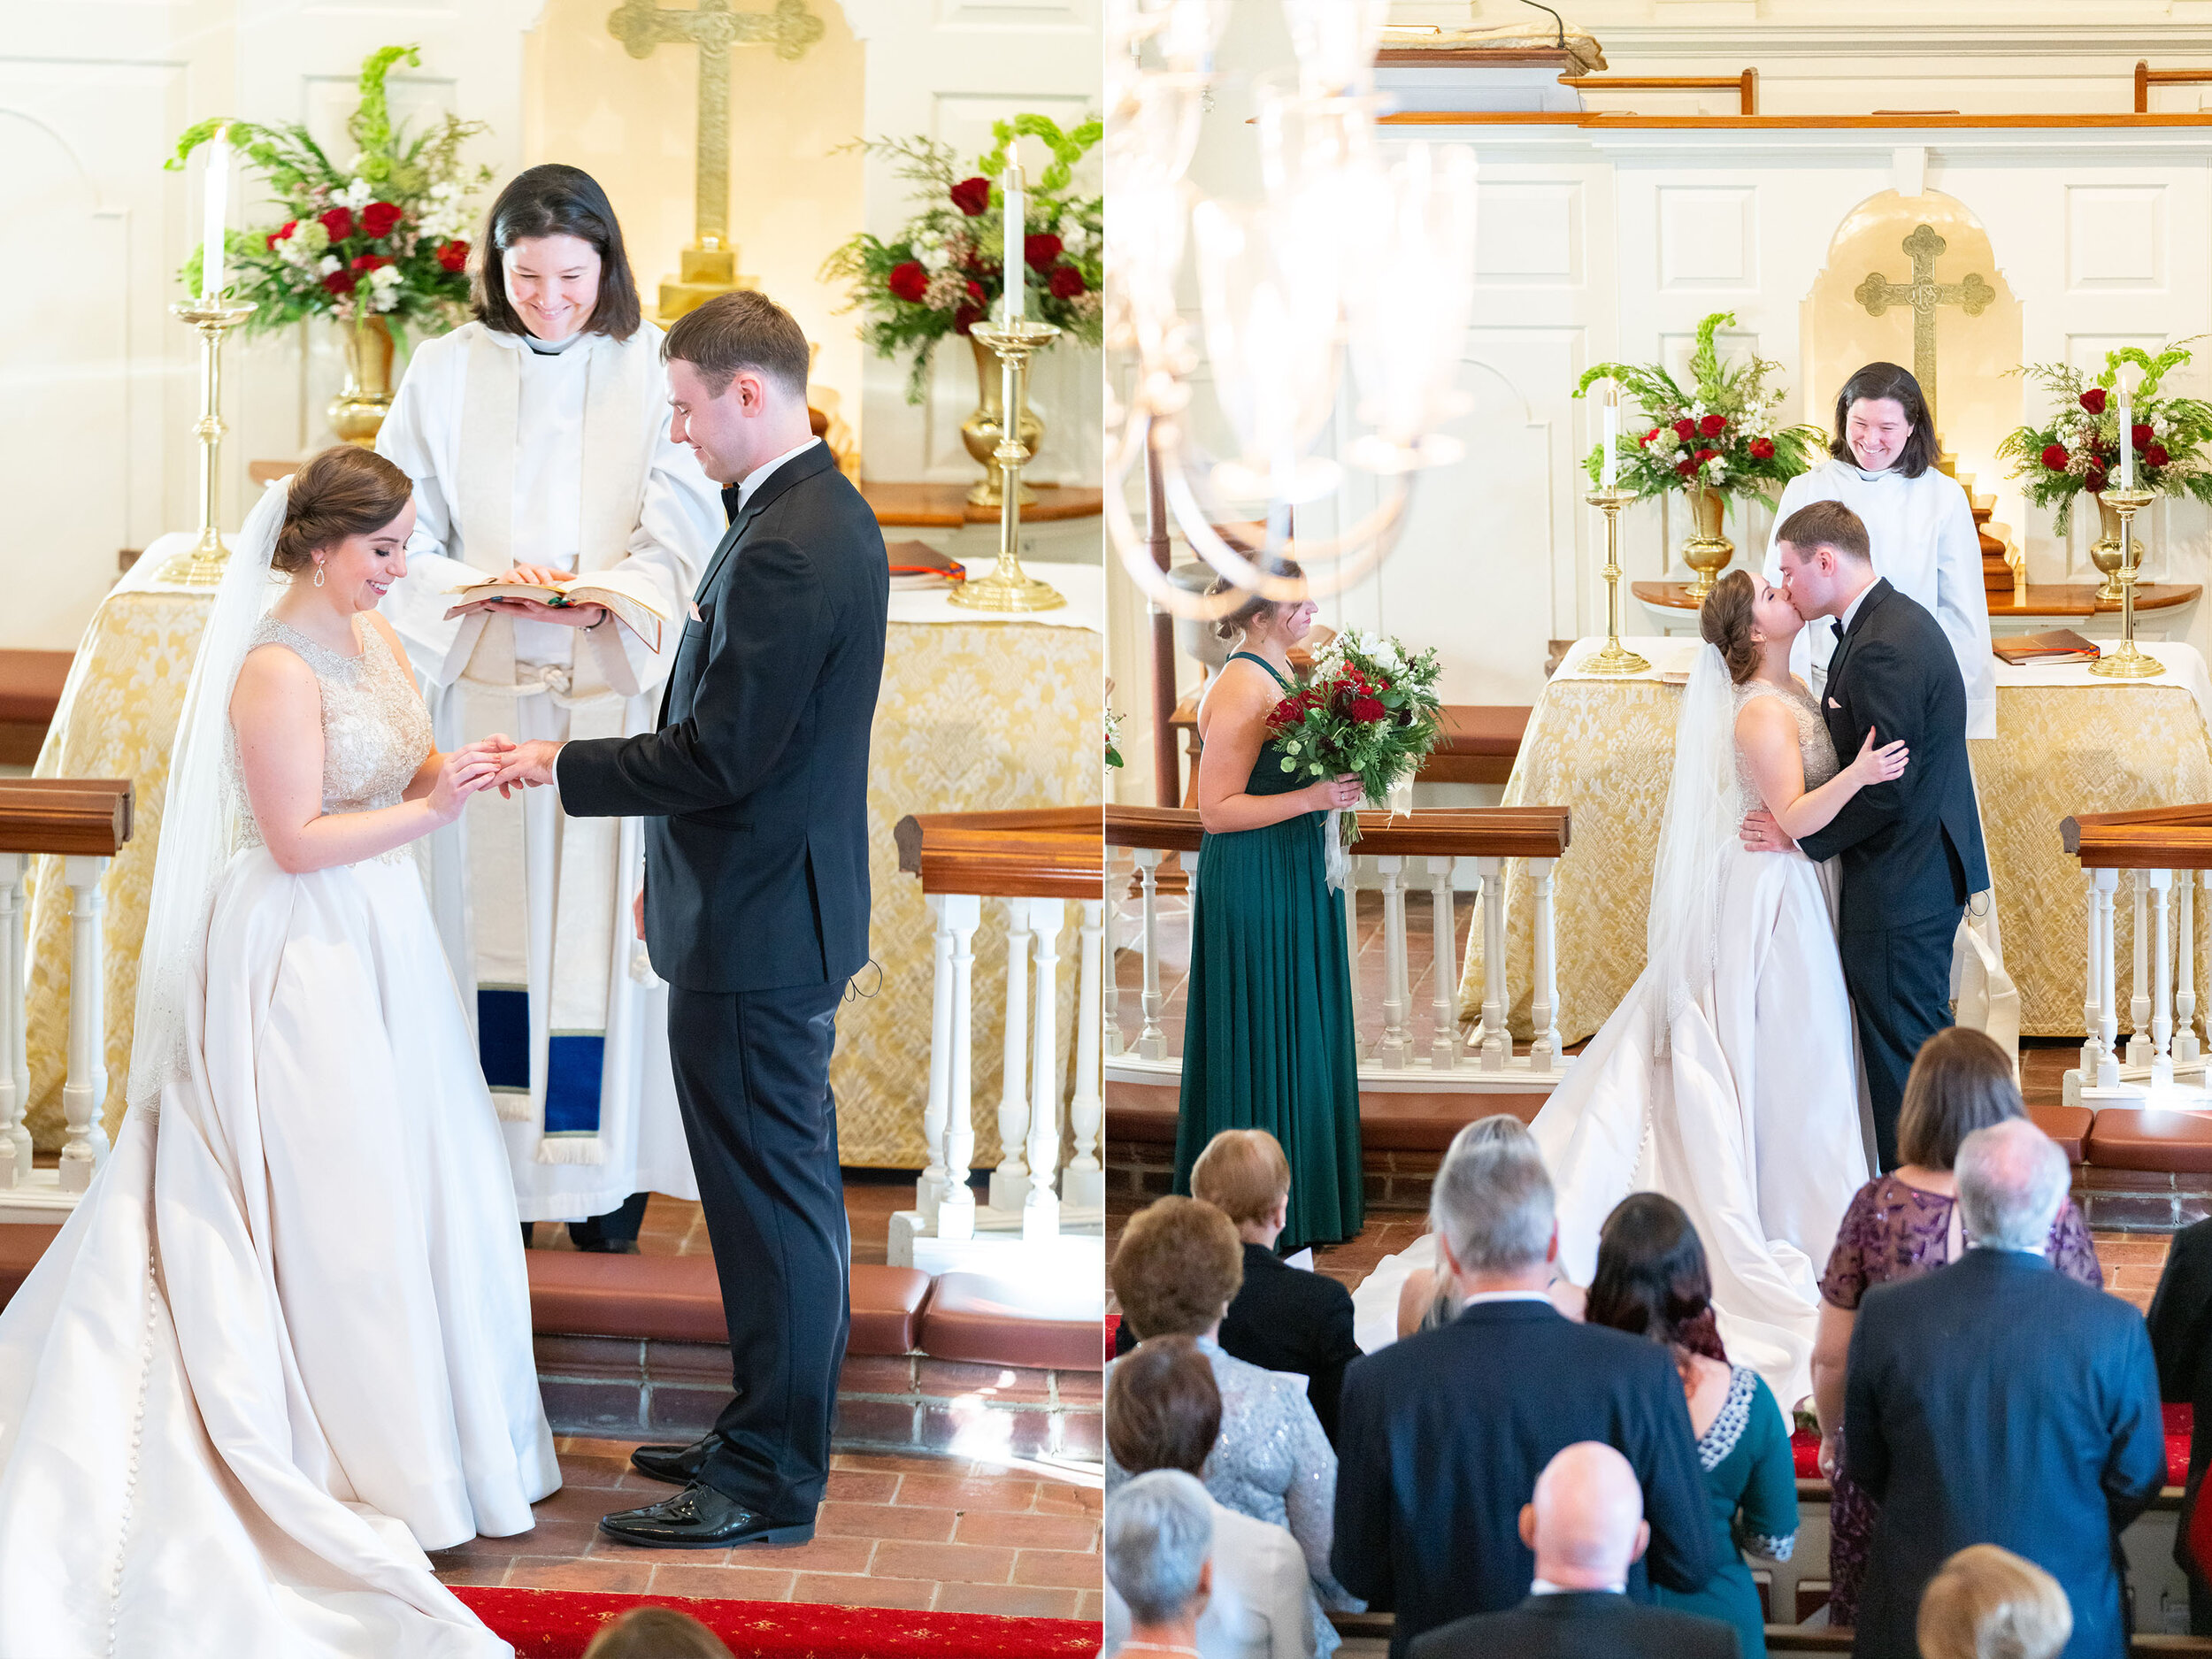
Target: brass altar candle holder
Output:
{"points": [[201, 564], [1614, 659], [2128, 662], [1008, 588]]}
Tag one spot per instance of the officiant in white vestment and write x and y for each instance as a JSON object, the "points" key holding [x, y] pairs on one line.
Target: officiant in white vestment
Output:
{"points": [[1882, 466], [537, 438]]}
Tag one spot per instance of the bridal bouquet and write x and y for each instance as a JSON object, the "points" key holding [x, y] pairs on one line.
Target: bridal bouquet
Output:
{"points": [[382, 236], [2078, 448], [1720, 433], [941, 273], [1369, 706]]}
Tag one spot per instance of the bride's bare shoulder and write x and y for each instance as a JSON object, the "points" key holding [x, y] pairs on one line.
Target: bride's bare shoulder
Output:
{"points": [[274, 676]]}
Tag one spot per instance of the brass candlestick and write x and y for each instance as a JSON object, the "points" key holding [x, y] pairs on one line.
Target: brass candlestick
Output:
{"points": [[1614, 659], [2128, 662], [1007, 588], [202, 566]]}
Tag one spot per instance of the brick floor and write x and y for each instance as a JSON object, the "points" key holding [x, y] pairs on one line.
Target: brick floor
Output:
{"points": [[674, 1227], [938, 1534]]}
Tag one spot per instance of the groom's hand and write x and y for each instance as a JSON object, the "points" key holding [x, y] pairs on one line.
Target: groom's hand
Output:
{"points": [[527, 766], [1761, 834]]}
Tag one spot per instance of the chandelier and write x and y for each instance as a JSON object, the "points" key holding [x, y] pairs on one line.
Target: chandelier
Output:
{"points": [[1347, 261]]}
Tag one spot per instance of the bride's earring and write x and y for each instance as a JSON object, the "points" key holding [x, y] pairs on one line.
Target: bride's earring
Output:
{"points": [[319, 573]]}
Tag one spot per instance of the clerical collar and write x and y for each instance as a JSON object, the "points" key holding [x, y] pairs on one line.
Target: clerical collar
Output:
{"points": [[1873, 478], [550, 348]]}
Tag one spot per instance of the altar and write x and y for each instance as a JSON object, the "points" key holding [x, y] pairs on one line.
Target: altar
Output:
{"points": [[2066, 742]]}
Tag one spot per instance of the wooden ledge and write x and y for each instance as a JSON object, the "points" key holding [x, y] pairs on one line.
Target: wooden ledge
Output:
{"points": [[2154, 838], [2037, 599], [78, 816], [946, 506], [1492, 831], [1628, 121], [1043, 853]]}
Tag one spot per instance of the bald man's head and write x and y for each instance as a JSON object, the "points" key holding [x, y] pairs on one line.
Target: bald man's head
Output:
{"points": [[1587, 1523]]}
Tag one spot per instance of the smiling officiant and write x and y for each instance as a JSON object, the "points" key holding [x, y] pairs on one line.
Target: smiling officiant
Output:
{"points": [[536, 436], [1882, 465]]}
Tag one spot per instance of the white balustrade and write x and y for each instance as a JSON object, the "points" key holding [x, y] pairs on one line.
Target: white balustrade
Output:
{"points": [[2186, 1051], [2139, 1004], [1010, 1182], [1083, 1183], [956, 1211], [1396, 1048], [1152, 1041], [1040, 1207], [1495, 1040], [1443, 969], [2165, 1047], [930, 1190], [15, 1140]]}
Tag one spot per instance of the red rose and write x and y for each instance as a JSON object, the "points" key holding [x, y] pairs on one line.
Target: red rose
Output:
{"points": [[966, 318], [2156, 455], [378, 217], [2094, 482], [2141, 434], [339, 282], [1686, 467], [1067, 282], [370, 261], [2054, 457], [1285, 714], [1041, 250], [339, 222], [1703, 455], [279, 234], [454, 255], [1367, 709], [972, 196], [975, 291], [1686, 429], [1650, 435], [1712, 425], [909, 282], [2093, 400], [1763, 448]]}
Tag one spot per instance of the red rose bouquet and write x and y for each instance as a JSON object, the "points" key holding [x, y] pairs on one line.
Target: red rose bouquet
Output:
{"points": [[2078, 449], [1369, 707]]}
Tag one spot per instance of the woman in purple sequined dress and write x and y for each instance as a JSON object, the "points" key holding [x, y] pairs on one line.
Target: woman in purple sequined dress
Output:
{"points": [[1901, 1225]]}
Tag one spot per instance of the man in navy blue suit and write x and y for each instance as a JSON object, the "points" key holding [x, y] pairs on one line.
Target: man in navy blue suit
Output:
{"points": [[1998, 1402]]}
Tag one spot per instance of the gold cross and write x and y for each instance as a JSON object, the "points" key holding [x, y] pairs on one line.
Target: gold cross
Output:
{"points": [[1924, 294], [641, 25]]}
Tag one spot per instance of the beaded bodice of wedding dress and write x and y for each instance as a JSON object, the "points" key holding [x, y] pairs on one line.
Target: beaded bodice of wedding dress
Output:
{"points": [[1813, 746], [375, 728]]}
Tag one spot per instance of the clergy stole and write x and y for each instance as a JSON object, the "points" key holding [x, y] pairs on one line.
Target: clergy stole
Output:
{"points": [[587, 881]]}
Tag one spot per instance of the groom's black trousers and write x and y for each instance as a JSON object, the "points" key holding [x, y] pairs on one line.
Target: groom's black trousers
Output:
{"points": [[1900, 981], [752, 1076]]}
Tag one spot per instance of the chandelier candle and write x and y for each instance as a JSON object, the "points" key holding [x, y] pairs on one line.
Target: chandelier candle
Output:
{"points": [[1017, 255], [216, 211]]}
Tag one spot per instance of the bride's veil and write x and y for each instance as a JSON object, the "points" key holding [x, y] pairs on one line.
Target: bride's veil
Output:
{"points": [[1704, 807], [198, 830]]}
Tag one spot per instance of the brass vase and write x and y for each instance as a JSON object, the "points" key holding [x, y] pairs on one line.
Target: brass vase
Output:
{"points": [[2106, 553], [1707, 552], [980, 432], [357, 412]]}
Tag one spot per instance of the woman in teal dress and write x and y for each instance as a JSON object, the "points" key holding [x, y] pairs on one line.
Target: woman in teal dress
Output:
{"points": [[1267, 1030], [1651, 1280]]}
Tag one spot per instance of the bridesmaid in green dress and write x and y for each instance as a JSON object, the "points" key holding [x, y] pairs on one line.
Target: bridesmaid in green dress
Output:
{"points": [[1651, 1280], [1267, 1033]]}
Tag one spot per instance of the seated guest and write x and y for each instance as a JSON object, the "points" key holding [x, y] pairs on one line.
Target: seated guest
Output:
{"points": [[1175, 1271], [1163, 1410], [1444, 1434], [1157, 1540], [1987, 1603], [1899, 1226], [657, 1632], [1998, 1402], [2181, 1342], [1586, 1525], [1652, 1281], [1426, 1299]]}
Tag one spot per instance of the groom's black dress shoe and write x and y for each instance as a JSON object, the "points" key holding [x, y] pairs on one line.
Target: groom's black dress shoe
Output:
{"points": [[678, 1465], [700, 1517]]}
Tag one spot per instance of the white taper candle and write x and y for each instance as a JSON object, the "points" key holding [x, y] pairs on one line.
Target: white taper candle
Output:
{"points": [[1612, 434], [211, 222], [1016, 241], [2127, 439]]}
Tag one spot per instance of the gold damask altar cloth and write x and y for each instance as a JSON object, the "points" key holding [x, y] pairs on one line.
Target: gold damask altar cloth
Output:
{"points": [[975, 714], [2065, 744]]}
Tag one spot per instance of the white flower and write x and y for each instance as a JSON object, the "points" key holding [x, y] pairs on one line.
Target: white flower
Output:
{"points": [[931, 252], [385, 277], [330, 262], [1074, 237], [356, 196]]}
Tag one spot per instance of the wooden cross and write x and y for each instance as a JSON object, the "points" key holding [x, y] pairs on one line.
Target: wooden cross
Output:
{"points": [[642, 25], [1924, 294]]}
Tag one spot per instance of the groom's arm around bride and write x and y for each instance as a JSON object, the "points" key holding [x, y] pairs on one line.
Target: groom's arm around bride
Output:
{"points": [[754, 794]]}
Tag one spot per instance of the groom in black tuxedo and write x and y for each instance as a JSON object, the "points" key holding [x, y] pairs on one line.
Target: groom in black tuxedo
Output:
{"points": [[754, 794], [1912, 847]]}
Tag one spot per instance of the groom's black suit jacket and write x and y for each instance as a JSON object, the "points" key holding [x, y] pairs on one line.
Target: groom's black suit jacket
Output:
{"points": [[1896, 672], [755, 788]]}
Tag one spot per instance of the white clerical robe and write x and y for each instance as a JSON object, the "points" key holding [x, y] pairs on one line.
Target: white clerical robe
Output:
{"points": [[593, 484], [1924, 540]]}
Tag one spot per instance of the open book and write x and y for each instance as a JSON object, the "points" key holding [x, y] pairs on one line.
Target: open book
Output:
{"points": [[630, 598], [2060, 645]]}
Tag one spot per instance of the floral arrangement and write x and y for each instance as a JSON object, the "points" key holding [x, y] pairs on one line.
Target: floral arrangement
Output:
{"points": [[2077, 448], [1113, 738], [1368, 706], [385, 235], [1721, 433], [942, 272]]}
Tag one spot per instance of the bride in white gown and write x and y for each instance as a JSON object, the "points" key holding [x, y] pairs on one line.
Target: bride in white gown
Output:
{"points": [[282, 1345], [1727, 1079]]}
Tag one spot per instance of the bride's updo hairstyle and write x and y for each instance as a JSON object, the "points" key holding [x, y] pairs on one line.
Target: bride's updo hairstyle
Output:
{"points": [[1726, 621], [345, 490], [1651, 1278], [1254, 606]]}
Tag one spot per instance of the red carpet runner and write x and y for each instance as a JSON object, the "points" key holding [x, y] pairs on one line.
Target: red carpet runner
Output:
{"points": [[560, 1624]]}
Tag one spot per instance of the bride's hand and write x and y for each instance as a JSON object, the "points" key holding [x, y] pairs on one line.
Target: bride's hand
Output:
{"points": [[1760, 834], [464, 772], [1873, 765]]}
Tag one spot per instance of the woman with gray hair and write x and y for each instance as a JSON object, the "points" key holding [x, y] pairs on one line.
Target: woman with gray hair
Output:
{"points": [[1158, 1543]]}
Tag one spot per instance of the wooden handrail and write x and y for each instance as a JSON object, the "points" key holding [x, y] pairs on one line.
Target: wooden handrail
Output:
{"points": [[2154, 838], [2146, 78], [84, 816], [1492, 831], [1043, 853], [1745, 85]]}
